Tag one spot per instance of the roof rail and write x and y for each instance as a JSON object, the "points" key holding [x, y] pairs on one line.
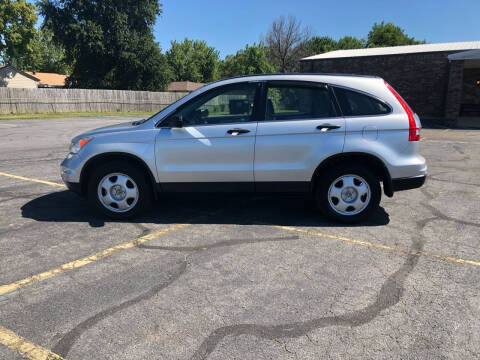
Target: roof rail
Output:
{"points": [[307, 74]]}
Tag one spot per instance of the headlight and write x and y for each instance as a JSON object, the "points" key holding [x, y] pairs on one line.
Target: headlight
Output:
{"points": [[76, 146]]}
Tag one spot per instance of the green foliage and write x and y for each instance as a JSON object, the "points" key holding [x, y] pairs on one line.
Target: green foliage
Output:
{"points": [[192, 60], [110, 42], [319, 45], [381, 35], [46, 56], [350, 42], [251, 60], [17, 30], [389, 35]]}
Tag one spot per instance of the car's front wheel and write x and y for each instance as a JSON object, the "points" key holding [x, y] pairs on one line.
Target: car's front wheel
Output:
{"points": [[348, 194], [119, 190]]}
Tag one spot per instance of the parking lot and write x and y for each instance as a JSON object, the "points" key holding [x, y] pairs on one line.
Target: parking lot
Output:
{"points": [[236, 277]]}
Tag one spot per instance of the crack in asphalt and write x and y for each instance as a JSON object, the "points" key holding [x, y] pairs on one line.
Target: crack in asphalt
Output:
{"points": [[63, 346], [461, 151], [441, 216], [389, 295], [222, 243]]}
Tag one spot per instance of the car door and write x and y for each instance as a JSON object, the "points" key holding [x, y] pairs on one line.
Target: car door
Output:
{"points": [[214, 149], [301, 127]]}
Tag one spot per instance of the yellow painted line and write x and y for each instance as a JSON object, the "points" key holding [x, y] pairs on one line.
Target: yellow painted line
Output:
{"points": [[32, 180], [382, 247], [24, 347], [6, 289]]}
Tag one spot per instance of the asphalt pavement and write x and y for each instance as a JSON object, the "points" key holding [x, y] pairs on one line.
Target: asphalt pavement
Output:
{"points": [[234, 276]]}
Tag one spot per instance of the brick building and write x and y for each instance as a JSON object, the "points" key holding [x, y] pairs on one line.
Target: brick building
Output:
{"points": [[438, 80]]}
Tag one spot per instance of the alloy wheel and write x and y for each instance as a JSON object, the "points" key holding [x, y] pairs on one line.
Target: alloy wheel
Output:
{"points": [[349, 195], [118, 192]]}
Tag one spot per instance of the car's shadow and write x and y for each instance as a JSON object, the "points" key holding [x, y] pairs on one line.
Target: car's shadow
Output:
{"points": [[241, 209]]}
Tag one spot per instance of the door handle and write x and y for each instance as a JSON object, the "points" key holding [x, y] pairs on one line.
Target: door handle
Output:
{"points": [[326, 127], [235, 132]]}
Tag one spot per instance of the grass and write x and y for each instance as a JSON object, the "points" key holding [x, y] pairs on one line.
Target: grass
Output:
{"points": [[72, 114]]}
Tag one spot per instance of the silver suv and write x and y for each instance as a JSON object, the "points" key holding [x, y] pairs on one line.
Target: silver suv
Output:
{"points": [[334, 136]]}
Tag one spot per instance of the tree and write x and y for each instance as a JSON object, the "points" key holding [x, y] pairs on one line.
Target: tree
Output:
{"points": [[286, 41], [251, 60], [389, 35], [319, 45], [17, 30], [45, 55], [109, 42], [192, 60], [53, 57], [350, 42]]}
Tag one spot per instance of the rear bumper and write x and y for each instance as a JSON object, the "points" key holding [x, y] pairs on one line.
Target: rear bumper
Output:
{"points": [[408, 183]]}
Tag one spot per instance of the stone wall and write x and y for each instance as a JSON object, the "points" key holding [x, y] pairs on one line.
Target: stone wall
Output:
{"points": [[454, 91], [422, 79]]}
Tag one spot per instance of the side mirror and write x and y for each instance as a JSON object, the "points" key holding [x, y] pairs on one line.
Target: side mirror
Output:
{"points": [[175, 121]]}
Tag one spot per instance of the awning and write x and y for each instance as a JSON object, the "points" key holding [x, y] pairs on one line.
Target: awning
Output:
{"points": [[465, 55]]}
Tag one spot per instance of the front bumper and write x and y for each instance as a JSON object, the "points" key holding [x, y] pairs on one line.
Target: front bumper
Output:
{"points": [[75, 187], [70, 172], [70, 169], [408, 183]]}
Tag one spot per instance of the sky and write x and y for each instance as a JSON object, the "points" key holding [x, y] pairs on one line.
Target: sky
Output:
{"points": [[230, 25]]}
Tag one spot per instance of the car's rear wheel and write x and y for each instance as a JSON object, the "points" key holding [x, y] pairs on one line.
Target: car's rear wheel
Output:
{"points": [[119, 190], [348, 194]]}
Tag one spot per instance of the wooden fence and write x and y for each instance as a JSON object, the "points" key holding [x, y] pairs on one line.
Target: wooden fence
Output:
{"points": [[21, 101]]}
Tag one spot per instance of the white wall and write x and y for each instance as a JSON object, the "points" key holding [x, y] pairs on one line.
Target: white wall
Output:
{"points": [[13, 79]]}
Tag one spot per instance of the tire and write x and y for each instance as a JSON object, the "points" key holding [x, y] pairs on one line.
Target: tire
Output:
{"points": [[119, 190], [348, 194]]}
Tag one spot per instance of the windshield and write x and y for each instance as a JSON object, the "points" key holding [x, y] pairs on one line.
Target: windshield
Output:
{"points": [[158, 112]]}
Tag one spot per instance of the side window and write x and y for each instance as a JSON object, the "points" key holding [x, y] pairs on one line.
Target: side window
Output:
{"points": [[357, 104], [228, 104], [298, 102]]}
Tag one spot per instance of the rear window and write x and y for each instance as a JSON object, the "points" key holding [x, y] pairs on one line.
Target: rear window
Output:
{"points": [[357, 104]]}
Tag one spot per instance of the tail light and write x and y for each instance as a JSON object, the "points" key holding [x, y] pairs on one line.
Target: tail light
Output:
{"points": [[413, 130]]}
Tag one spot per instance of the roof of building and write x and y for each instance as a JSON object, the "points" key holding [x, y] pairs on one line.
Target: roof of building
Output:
{"points": [[52, 79], [26, 74], [184, 86], [397, 50]]}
